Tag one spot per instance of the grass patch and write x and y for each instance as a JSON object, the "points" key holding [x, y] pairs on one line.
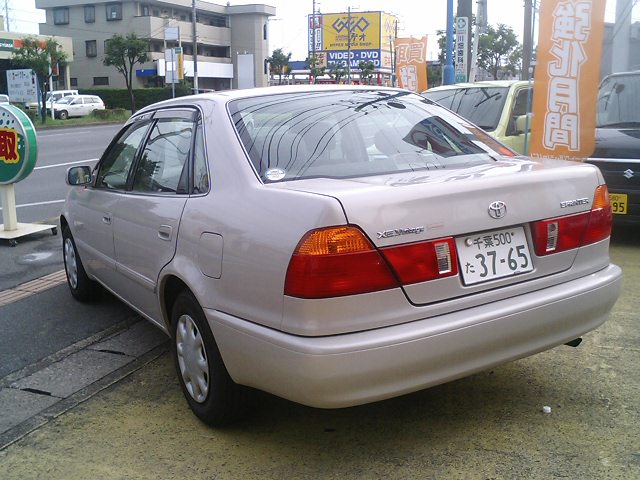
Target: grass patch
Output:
{"points": [[117, 115]]}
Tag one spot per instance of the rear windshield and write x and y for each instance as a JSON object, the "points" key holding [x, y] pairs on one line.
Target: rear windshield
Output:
{"points": [[342, 134], [618, 102], [482, 106]]}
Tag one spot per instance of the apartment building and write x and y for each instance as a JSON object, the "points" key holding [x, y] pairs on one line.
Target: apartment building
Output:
{"points": [[224, 33]]}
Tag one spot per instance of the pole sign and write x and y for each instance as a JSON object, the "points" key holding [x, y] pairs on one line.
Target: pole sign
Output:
{"points": [[566, 78], [18, 149], [411, 63], [462, 42]]}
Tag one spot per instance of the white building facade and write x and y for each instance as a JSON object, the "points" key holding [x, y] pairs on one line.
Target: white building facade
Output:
{"points": [[223, 33]]}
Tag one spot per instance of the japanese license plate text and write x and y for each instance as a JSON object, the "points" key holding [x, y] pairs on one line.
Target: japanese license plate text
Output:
{"points": [[496, 254]]}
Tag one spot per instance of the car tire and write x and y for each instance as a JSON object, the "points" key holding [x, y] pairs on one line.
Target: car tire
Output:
{"points": [[63, 115], [82, 287], [210, 392]]}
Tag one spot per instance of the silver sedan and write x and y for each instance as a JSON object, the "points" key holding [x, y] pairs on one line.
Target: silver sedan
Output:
{"points": [[336, 245]]}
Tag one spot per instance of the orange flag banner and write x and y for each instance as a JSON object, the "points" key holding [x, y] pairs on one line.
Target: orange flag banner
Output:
{"points": [[566, 78], [411, 63]]}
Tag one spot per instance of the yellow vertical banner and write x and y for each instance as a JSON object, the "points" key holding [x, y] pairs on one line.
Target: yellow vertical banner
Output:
{"points": [[180, 63], [566, 78], [411, 63]]}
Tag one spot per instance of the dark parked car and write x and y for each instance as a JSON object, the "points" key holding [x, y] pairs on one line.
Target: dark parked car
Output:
{"points": [[617, 151]]}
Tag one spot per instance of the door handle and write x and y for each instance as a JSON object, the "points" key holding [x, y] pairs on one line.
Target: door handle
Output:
{"points": [[106, 219], [165, 232]]}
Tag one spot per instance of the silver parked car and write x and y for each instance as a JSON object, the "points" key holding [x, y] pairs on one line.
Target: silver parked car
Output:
{"points": [[336, 245]]}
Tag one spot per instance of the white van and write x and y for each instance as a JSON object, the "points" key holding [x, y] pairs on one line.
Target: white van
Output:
{"points": [[52, 96]]}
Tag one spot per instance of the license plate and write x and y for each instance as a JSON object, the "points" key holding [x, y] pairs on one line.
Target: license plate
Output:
{"points": [[491, 255], [618, 203]]}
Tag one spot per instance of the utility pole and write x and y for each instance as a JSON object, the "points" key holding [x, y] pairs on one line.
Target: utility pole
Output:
{"points": [[6, 12], [465, 10], [313, 41], [195, 47], [527, 40], [349, 46]]}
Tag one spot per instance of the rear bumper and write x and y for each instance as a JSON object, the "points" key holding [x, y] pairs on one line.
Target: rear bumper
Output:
{"points": [[351, 369]]}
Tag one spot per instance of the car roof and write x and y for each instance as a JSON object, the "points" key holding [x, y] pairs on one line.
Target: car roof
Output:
{"points": [[485, 84], [228, 95]]}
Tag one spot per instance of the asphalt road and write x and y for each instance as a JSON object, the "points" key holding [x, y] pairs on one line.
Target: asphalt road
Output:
{"points": [[40, 196]]}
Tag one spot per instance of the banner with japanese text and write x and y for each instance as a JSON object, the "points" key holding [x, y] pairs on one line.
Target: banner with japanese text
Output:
{"points": [[566, 78], [411, 63]]}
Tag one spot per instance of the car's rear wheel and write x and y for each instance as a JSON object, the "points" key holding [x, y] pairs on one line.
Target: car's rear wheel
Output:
{"points": [[211, 393], [63, 115], [81, 286]]}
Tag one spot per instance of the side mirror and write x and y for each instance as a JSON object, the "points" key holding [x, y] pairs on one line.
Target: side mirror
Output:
{"points": [[78, 176], [521, 123]]}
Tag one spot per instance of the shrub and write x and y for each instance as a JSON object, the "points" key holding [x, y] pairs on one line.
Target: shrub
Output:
{"points": [[119, 97]]}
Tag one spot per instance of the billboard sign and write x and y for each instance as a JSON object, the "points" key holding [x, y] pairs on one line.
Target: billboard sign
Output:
{"points": [[344, 31], [22, 85], [356, 56]]}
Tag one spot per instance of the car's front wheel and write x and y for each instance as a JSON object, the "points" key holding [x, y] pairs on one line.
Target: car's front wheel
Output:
{"points": [[63, 115], [211, 393], [81, 286]]}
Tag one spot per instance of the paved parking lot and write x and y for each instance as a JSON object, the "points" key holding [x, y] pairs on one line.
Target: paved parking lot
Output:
{"points": [[488, 426]]}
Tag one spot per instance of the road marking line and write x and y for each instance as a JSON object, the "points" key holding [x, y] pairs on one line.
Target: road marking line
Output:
{"points": [[37, 204], [67, 163], [31, 288]]}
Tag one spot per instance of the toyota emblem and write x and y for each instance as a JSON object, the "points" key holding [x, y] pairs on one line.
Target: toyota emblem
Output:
{"points": [[497, 209]]}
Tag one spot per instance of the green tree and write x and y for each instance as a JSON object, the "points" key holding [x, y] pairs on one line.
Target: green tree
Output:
{"points": [[366, 71], [123, 53], [337, 71], [498, 50], [442, 45], [279, 63], [44, 57], [314, 69]]}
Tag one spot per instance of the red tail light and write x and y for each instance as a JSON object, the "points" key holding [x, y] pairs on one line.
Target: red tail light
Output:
{"points": [[336, 261], [339, 261], [565, 233], [422, 261]]}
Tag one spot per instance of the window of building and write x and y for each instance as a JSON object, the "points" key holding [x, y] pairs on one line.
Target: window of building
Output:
{"points": [[73, 81], [89, 13], [91, 48], [114, 11], [145, 10], [100, 81], [216, 20], [264, 31], [60, 16], [106, 44]]}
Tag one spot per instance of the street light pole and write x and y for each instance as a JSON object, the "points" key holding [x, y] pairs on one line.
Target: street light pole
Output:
{"points": [[449, 73], [195, 46]]}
